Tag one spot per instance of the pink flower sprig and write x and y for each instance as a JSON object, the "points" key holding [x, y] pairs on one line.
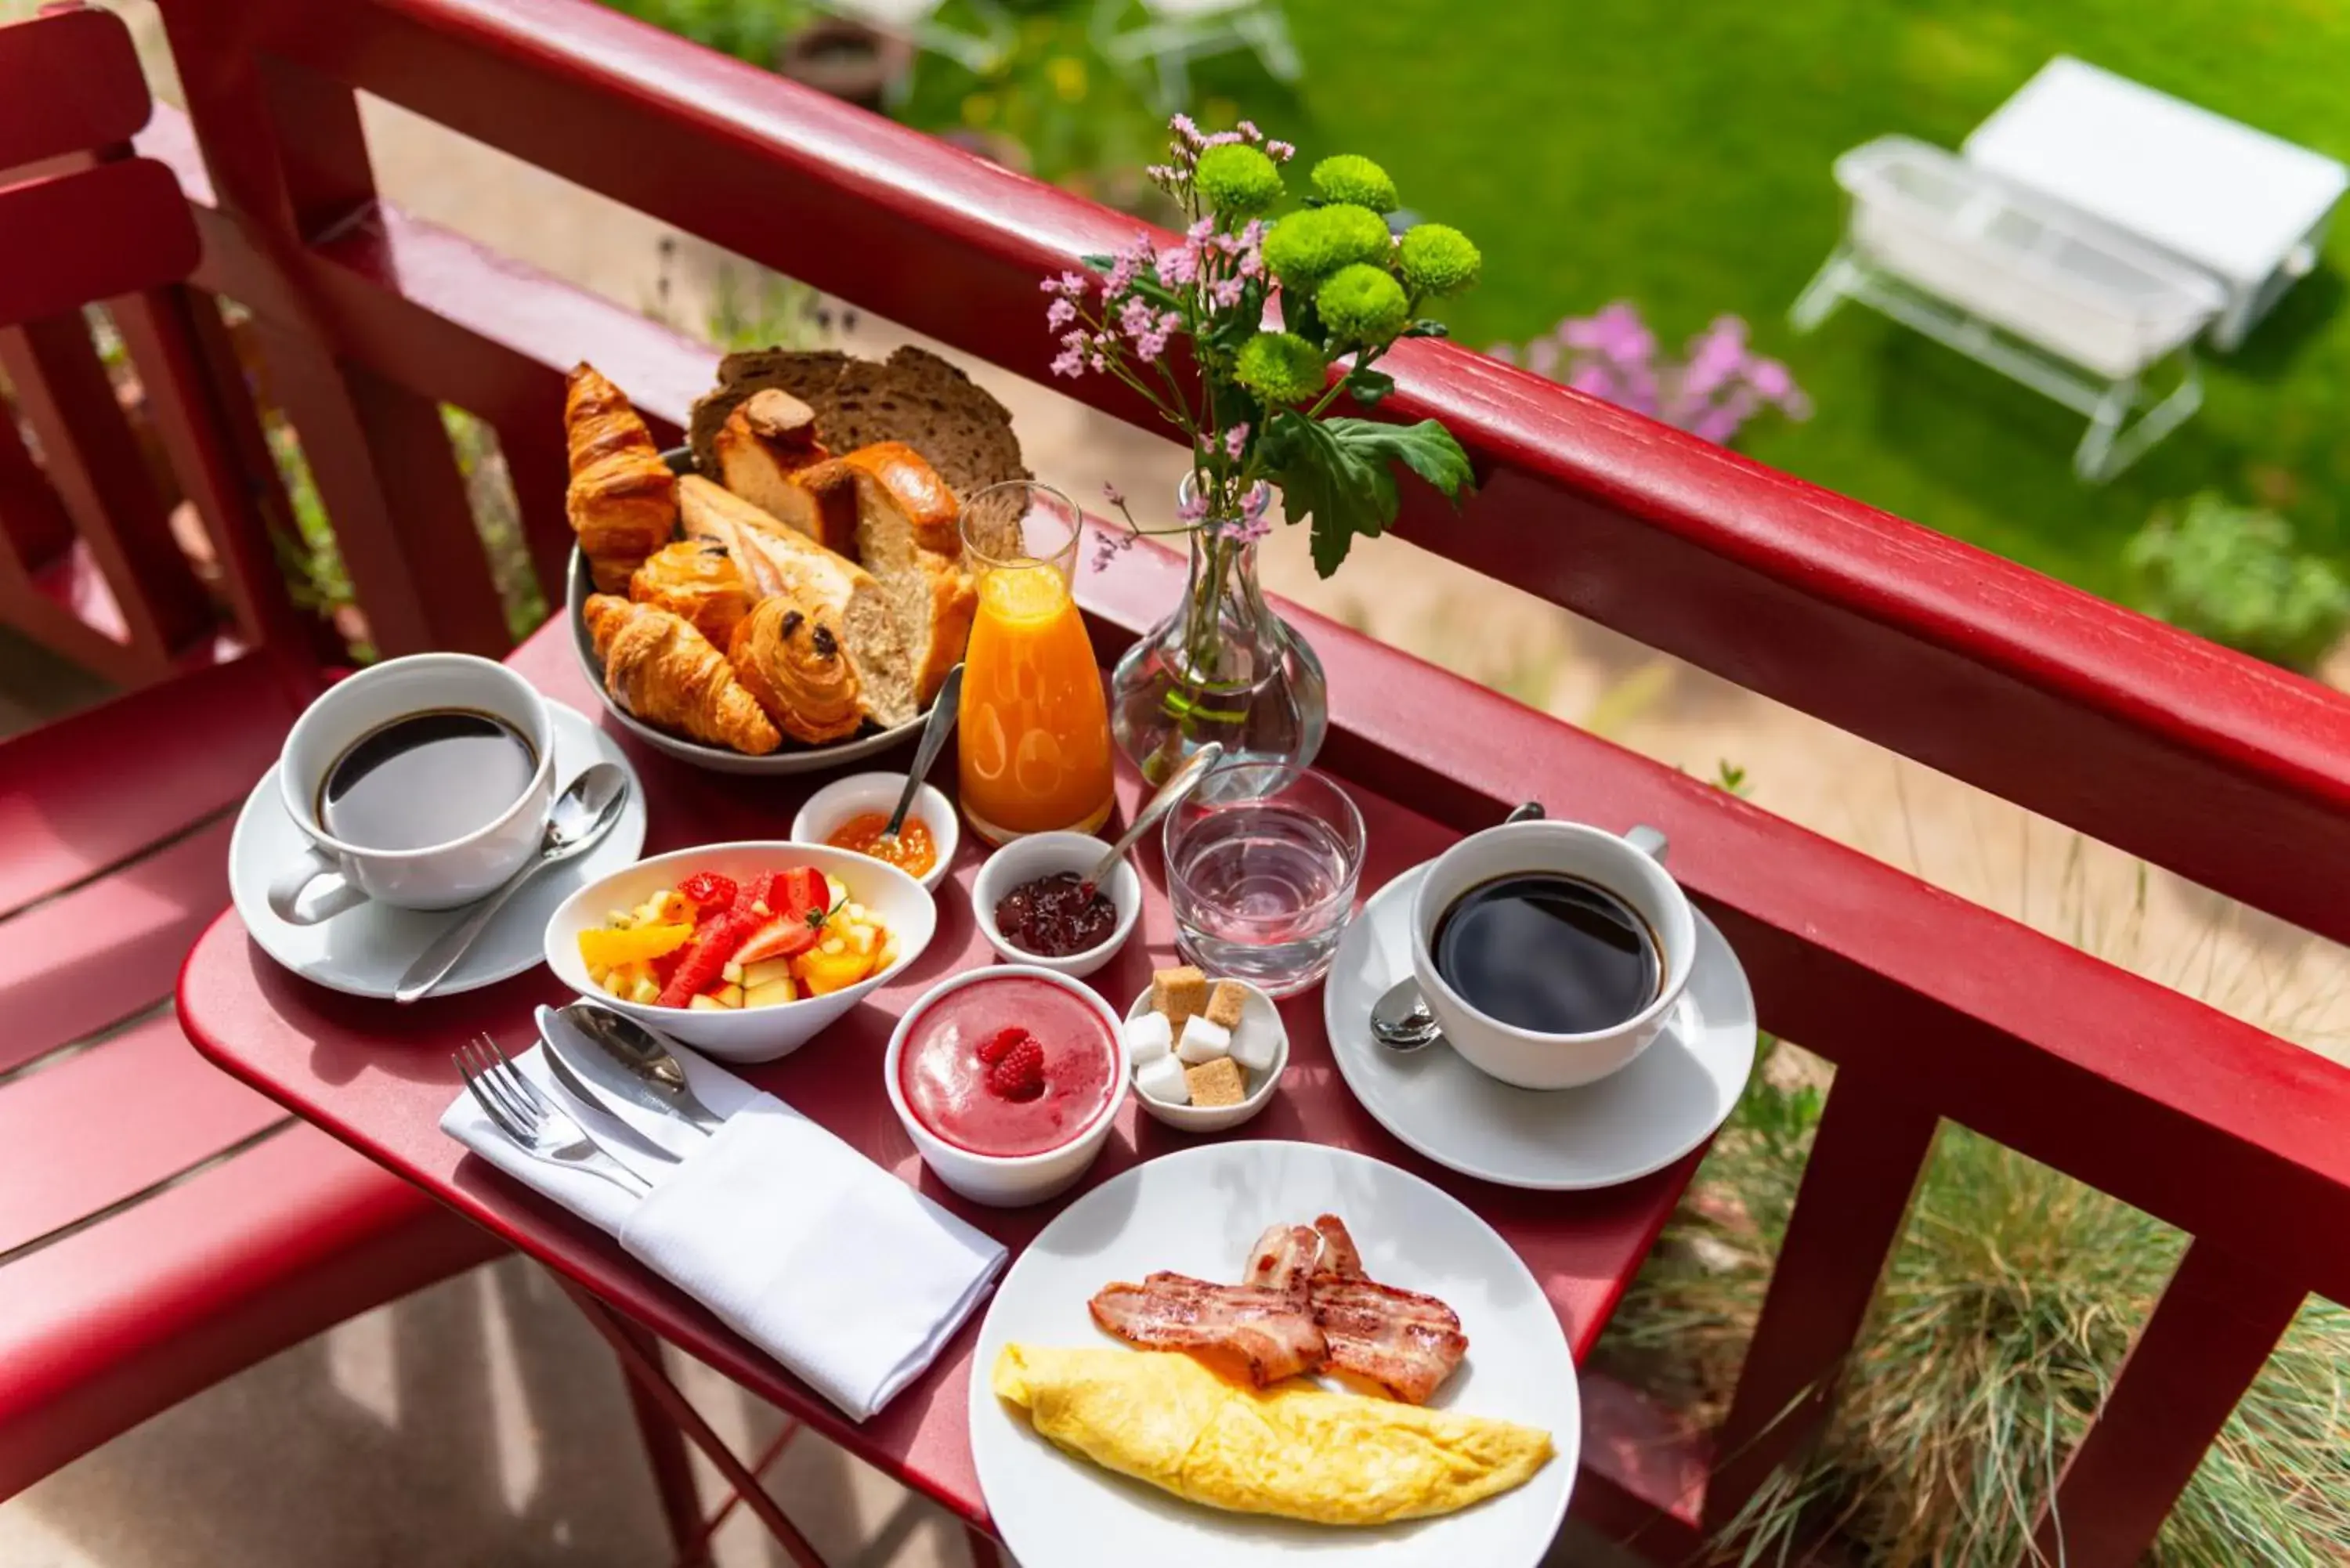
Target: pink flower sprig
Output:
{"points": [[1718, 385]]}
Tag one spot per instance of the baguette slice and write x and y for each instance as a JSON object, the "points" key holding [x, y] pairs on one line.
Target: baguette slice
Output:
{"points": [[774, 559], [908, 535], [768, 453]]}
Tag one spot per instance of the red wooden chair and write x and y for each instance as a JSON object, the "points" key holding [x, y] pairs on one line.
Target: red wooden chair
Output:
{"points": [[161, 1226]]}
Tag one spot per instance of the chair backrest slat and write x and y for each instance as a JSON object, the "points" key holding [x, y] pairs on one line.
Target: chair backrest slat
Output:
{"points": [[113, 229], [74, 84]]}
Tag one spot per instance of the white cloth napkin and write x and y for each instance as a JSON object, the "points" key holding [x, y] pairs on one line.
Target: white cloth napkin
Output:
{"points": [[827, 1263]]}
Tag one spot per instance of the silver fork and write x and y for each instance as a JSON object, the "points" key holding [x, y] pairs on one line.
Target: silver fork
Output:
{"points": [[543, 1130]]}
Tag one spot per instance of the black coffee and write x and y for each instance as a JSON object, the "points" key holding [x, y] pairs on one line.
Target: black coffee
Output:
{"points": [[1548, 953], [426, 779]]}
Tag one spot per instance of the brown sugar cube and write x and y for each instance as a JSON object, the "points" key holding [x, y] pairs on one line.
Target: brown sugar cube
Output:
{"points": [[1224, 1006], [1179, 993], [1216, 1083]]}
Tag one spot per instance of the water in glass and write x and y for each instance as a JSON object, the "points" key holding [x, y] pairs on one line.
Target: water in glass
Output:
{"points": [[1263, 888]]}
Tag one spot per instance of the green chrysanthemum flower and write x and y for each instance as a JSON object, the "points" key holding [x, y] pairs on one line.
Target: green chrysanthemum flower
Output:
{"points": [[1237, 180], [1354, 179], [1362, 303], [1281, 367], [1437, 258], [1306, 247]]}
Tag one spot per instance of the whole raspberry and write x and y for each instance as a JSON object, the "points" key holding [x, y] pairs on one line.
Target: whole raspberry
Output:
{"points": [[991, 1049], [1019, 1072]]}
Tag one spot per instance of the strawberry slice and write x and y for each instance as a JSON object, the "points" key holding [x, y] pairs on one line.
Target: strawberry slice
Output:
{"points": [[715, 941], [801, 900]]}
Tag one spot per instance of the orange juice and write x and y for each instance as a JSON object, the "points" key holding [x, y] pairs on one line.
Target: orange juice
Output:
{"points": [[1032, 729]]}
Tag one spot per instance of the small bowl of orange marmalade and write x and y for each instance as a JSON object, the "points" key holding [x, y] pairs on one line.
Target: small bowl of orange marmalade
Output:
{"points": [[850, 812]]}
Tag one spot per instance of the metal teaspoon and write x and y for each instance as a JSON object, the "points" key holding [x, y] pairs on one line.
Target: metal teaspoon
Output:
{"points": [[1400, 1020], [934, 737], [1178, 785], [580, 817]]}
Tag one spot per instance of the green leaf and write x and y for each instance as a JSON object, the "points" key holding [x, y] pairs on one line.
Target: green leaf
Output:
{"points": [[1340, 475], [1426, 328], [1100, 262]]}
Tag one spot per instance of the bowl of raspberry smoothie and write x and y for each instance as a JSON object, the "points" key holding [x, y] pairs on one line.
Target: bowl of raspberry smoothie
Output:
{"points": [[1007, 1079]]}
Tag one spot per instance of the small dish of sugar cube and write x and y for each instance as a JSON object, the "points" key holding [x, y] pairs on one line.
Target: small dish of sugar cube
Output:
{"points": [[1205, 1054]]}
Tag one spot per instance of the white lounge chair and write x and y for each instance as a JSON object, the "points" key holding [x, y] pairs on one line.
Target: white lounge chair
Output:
{"points": [[2021, 282]]}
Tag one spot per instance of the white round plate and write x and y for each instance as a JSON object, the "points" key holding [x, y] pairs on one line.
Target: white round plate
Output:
{"points": [[792, 758], [1197, 1212], [367, 949], [1641, 1120]]}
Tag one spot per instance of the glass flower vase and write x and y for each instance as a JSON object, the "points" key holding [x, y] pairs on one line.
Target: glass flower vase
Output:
{"points": [[1221, 666]]}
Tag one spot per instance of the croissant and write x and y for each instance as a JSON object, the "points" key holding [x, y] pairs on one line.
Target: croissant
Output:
{"points": [[788, 652], [662, 671], [698, 580], [623, 499]]}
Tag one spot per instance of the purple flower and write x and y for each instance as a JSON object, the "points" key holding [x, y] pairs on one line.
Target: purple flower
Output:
{"points": [[1179, 267], [1068, 285], [1136, 317], [1069, 362], [1236, 439], [1113, 495], [1279, 152], [1184, 129], [1192, 507], [1617, 331], [1542, 356], [1109, 545], [1228, 292], [1149, 346], [1223, 139], [1247, 127], [1247, 530], [1059, 314]]}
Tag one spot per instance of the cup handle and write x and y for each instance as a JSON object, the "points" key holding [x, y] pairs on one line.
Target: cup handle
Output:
{"points": [[1648, 841], [286, 889]]}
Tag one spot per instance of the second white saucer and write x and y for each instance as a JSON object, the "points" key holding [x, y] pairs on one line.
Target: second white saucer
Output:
{"points": [[1666, 1102]]}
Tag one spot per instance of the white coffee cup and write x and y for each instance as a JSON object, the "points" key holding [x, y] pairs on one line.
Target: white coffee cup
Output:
{"points": [[1628, 867], [332, 876]]}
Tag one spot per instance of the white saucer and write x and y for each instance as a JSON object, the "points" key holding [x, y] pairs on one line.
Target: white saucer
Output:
{"points": [[1198, 1212], [1668, 1101], [367, 950]]}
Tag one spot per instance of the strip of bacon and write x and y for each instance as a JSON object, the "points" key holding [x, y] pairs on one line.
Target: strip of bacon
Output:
{"points": [[1284, 1258], [1406, 1342], [1269, 1333]]}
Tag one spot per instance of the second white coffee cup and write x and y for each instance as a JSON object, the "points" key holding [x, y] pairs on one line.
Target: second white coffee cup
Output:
{"points": [[1626, 865], [332, 876]]}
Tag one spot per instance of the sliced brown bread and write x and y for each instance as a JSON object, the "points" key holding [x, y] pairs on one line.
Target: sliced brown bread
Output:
{"points": [[913, 397], [774, 559]]}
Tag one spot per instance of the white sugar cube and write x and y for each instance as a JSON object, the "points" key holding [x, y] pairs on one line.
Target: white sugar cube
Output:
{"points": [[1161, 1078], [1253, 1046], [1202, 1040], [1147, 1038]]}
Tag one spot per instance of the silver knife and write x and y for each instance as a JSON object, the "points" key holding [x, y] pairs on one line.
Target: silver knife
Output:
{"points": [[592, 1074]]}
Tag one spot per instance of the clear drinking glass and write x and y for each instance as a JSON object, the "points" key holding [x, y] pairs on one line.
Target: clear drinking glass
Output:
{"points": [[1262, 863]]}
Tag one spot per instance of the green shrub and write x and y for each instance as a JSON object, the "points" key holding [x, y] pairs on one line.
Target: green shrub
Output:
{"points": [[2232, 573]]}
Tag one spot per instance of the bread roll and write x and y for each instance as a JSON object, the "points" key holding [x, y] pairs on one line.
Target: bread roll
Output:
{"points": [[908, 536], [774, 559], [768, 453]]}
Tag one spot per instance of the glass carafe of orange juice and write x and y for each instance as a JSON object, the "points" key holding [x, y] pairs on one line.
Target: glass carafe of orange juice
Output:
{"points": [[1032, 729]]}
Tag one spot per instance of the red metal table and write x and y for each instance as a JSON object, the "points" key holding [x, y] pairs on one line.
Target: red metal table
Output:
{"points": [[379, 1078]]}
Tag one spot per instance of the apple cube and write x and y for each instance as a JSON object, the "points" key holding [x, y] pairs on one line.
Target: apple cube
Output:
{"points": [[770, 993]]}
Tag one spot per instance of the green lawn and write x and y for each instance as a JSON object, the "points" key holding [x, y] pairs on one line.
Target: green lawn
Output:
{"points": [[1677, 155]]}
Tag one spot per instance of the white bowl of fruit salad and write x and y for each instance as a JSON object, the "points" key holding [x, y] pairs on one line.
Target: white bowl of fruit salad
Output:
{"points": [[744, 951]]}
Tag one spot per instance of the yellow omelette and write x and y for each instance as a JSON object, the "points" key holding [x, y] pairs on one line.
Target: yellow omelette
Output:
{"points": [[1294, 1449]]}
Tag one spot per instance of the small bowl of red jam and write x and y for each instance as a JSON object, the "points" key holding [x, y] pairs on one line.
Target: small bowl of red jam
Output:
{"points": [[850, 814], [1033, 909]]}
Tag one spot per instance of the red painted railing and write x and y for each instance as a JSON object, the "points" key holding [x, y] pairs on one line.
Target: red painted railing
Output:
{"points": [[2224, 770]]}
